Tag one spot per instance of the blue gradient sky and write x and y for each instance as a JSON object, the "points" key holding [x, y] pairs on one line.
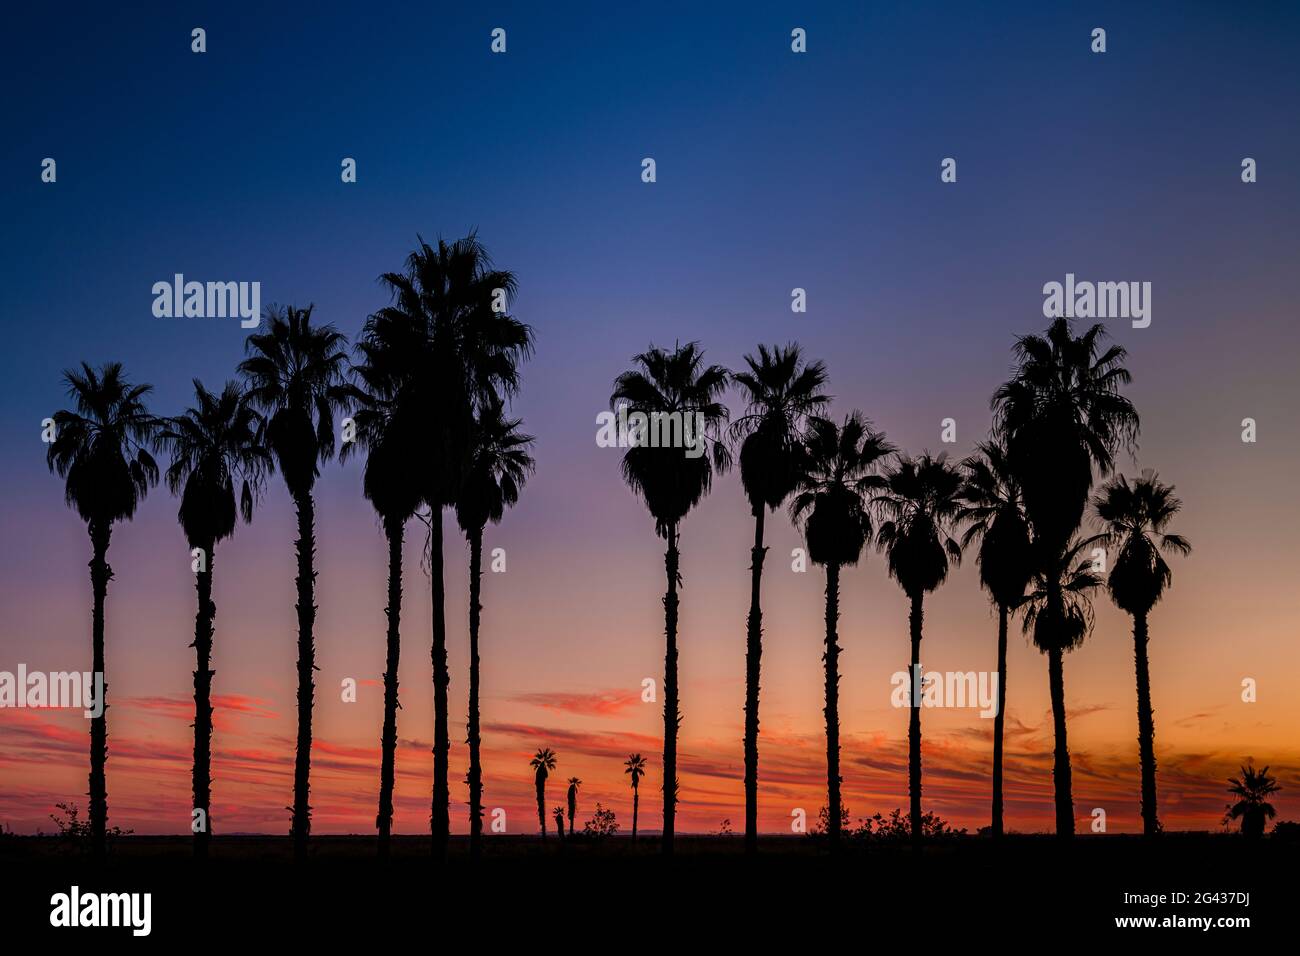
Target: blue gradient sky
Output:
{"points": [[774, 171]]}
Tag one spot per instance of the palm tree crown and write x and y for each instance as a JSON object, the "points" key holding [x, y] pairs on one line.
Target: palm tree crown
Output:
{"points": [[1061, 623], [102, 448], [920, 503], [543, 762], [635, 765], [993, 511], [1135, 517], [294, 372], [498, 466], [839, 469], [214, 445]]}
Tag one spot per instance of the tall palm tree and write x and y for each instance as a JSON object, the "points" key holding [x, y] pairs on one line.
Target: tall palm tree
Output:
{"points": [[1252, 809], [781, 391], [215, 445], [1063, 417], [498, 467], [671, 482], [1058, 616], [574, 784], [543, 763], [635, 765], [1135, 518], [101, 450], [830, 503], [384, 430], [920, 504], [993, 509], [294, 374], [459, 354]]}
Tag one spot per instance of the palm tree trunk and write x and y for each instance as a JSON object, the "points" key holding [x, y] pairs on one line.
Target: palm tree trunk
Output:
{"points": [[1146, 727], [100, 575], [306, 582], [999, 720], [753, 656], [475, 776], [915, 619], [831, 658], [636, 809], [1061, 765], [672, 715], [395, 530], [203, 628], [439, 821], [541, 805]]}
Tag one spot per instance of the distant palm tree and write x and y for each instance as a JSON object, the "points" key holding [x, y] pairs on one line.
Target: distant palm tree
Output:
{"points": [[635, 765], [1062, 416], [498, 467], [461, 351], [994, 512], [101, 449], [574, 784], [294, 374], [920, 504], [558, 813], [1252, 809], [839, 471], [384, 430], [1058, 616], [671, 482], [781, 391], [543, 763], [214, 445], [1135, 517]]}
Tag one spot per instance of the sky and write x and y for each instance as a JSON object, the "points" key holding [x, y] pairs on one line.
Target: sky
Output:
{"points": [[774, 171]]}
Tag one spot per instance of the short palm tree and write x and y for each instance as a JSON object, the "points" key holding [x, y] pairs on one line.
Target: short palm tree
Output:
{"points": [[919, 505], [1063, 416], [386, 433], [574, 784], [459, 353], [994, 513], [635, 766], [498, 467], [781, 391], [294, 375], [1252, 809], [1135, 518], [101, 450], [215, 446], [1058, 617], [558, 813], [543, 763], [671, 482], [839, 472]]}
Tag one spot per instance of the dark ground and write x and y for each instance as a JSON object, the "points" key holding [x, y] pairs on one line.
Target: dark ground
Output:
{"points": [[966, 892]]}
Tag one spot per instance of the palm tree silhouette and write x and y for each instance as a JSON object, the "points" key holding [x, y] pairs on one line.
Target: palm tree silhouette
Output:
{"points": [[1135, 517], [1252, 809], [919, 505], [1062, 415], [498, 467], [214, 445], [781, 392], [839, 469], [558, 813], [101, 450], [574, 784], [384, 430], [1058, 616], [994, 512], [671, 483], [459, 353], [635, 765], [543, 763], [294, 374]]}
